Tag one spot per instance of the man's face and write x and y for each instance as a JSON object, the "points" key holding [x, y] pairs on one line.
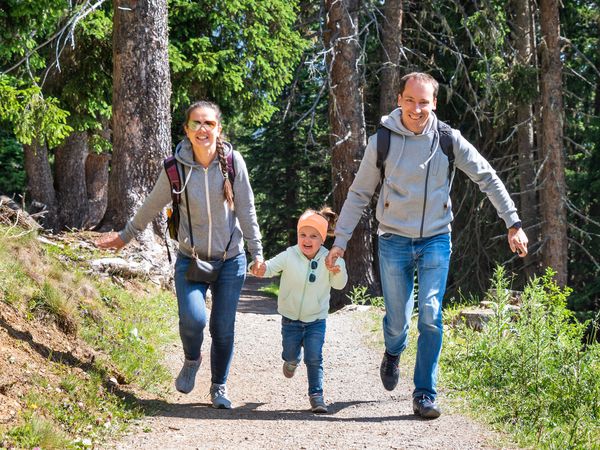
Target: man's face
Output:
{"points": [[417, 101]]}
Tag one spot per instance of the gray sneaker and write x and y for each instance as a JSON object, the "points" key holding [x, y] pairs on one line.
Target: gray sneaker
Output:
{"points": [[317, 404], [218, 396], [289, 369], [187, 376]]}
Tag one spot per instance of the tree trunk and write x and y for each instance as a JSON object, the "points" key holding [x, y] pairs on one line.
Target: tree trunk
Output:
{"points": [[391, 55], [40, 185], [96, 178], [524, 31], [347, 139], [71, 187], [141, 111], [553, 190]]}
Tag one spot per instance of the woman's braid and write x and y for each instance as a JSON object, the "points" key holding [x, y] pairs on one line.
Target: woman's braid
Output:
{"points": [[227, 187]]}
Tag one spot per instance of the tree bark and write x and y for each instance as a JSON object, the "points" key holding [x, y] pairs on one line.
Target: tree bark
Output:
{"points": [[391, 55], [141, 111], [347, 139], [523, 34], [96, 178], [40, 185], [71, 187], [553, 191]]}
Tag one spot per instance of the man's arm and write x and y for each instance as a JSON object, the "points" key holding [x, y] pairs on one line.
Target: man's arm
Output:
{"points": [[478, 169]]}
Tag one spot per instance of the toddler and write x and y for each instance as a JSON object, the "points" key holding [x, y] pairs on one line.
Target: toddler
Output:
{"points": [[303, 299]]}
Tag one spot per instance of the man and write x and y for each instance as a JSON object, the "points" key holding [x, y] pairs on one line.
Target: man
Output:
{"points": [[414, 213]]}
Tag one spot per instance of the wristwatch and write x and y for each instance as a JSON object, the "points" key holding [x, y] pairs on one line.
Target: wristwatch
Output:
{"points": [[516, 225]]}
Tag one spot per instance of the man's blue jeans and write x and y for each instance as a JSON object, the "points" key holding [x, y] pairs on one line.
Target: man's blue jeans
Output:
{"points": [[310, 335], [192, 313], [398, 258]]}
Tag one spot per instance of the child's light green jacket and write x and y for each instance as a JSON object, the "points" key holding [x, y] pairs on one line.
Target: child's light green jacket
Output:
{"points": [[299, 298]]}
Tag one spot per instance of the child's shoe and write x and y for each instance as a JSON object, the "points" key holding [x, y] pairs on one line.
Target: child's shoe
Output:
{"points": [[317, 404], [289, 369], [187, 376]]}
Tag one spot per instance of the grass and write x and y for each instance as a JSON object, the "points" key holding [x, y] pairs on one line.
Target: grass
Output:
{"points": [[533, 375], [271, 290], [66, 407]]}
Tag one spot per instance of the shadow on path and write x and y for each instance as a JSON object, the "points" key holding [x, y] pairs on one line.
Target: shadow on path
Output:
{"points": [[250, 411]]}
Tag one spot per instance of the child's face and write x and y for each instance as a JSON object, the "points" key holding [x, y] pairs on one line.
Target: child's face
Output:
{"points": [[309, 241]]}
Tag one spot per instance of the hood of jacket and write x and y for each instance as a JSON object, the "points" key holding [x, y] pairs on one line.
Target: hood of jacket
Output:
{"points": [[185, 155], [393, 122]]}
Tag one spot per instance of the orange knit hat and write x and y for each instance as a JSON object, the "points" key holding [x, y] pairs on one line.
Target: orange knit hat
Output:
{"points": [[317, 221]]}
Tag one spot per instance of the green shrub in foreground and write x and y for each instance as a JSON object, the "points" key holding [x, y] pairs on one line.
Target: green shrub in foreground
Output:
{"points": [[533, 372]]}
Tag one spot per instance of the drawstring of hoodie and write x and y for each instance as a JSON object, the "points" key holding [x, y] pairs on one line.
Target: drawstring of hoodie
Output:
{"points": [[432, 150], [187, 178]]}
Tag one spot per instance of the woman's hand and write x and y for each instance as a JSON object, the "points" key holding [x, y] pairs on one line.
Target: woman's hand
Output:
{"points": [[259, 267], [110, 240]]}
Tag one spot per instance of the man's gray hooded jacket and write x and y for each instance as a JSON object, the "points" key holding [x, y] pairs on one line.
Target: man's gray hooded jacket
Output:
{"points": [[414, 200]]}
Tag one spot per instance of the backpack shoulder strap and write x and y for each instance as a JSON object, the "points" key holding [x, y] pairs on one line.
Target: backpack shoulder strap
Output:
{"points": [[230, 166], [170, 165], [383, 147], [447, 144]]}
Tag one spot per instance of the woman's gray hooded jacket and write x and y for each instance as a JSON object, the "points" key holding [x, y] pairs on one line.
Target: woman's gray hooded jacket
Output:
{"points": [[414, 200], [213, 222]]}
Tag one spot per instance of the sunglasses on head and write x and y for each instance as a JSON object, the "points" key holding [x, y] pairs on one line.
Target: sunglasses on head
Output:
{"points": [[194, 125], [312, 276]]}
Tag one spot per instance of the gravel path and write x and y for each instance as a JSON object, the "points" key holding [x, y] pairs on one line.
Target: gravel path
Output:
{"points": [[272, 412]]}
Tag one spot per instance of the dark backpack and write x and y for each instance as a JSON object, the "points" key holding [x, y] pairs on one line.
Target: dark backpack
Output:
{"points": [[445, 132], [172, 169]]}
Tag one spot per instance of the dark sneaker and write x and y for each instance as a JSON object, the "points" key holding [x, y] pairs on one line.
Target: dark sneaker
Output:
{"points": [[187, 376], [219, 397], [289, 369], [389, 371], [317, 404], [425, 407]]}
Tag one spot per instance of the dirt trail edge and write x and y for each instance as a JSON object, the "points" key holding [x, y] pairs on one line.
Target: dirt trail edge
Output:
{"points": [[272, 412]]}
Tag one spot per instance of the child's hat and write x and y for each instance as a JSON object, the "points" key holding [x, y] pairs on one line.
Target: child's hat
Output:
{"points": [[317, 221]]}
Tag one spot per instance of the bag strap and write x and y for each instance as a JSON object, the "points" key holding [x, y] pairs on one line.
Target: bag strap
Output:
{"points": [[187, 206], [383, 147], [170, 165], [447, 144]]}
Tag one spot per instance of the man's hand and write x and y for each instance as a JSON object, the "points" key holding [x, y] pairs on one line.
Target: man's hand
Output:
{"points": [[110, 240], [335, 253], [517, 240]]}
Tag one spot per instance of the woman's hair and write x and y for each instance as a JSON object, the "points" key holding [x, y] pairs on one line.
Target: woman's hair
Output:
{"points": [[227, 186], [329, 215]]}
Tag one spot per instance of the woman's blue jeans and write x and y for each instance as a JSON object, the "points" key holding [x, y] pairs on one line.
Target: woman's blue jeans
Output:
{"points": [[192, 313], [310, 335], [399, 257]]}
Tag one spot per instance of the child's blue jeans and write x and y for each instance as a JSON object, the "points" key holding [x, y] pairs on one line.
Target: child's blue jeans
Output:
{"points": [[310, 335]]}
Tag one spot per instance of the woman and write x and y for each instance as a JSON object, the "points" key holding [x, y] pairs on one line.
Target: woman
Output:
{"points": [[218, 220]]}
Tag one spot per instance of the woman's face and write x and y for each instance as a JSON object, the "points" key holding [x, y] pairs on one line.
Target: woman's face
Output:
{"points": [[203, 128]]}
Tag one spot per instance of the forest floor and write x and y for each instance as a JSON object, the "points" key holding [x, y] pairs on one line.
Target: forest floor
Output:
{"points": [[272, 412]]}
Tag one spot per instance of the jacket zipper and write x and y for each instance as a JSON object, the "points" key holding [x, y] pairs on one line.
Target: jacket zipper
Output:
{"points": [[208, 213], [304, 291], [433, 143]]}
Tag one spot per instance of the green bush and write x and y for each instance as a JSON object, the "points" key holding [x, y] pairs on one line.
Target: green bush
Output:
{"points": [[534, 372], [12, 169]]}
